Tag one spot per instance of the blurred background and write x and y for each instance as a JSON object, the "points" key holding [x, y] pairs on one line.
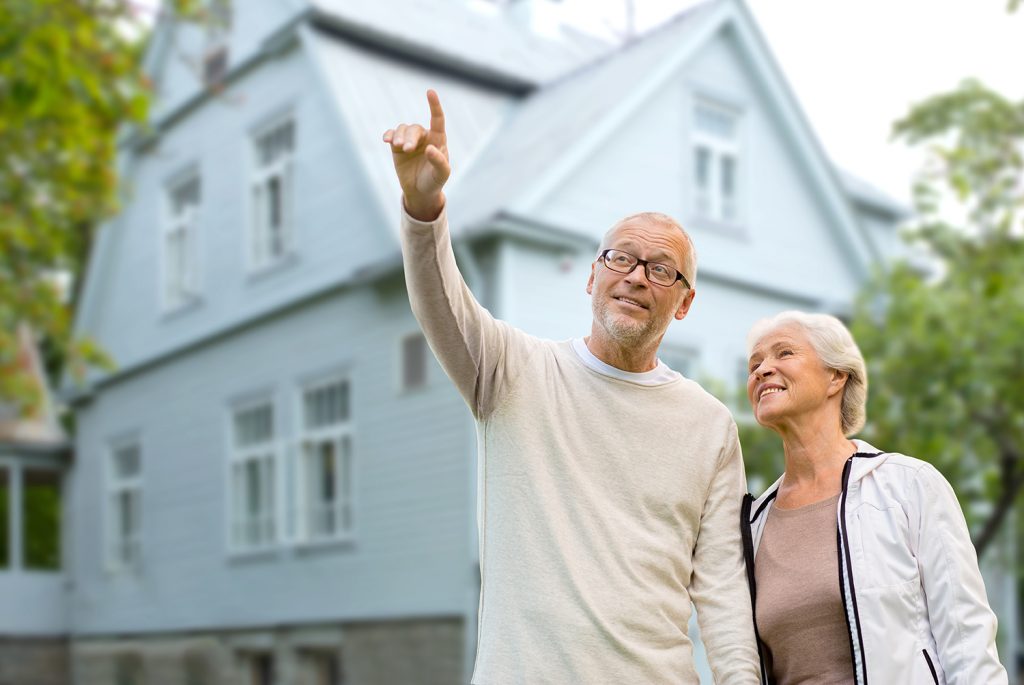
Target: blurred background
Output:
{"points": [[227, 454]]}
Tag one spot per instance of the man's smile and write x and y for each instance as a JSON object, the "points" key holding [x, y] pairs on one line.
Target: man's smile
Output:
{"points": [[630, 301]]}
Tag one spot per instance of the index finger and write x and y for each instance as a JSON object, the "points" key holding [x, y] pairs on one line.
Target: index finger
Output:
{"points": [[436, 113]]}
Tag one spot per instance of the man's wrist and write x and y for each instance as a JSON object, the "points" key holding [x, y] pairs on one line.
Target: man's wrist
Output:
{"points": [[424, 210]]}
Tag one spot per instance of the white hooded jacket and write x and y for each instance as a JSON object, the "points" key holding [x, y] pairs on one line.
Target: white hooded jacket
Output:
{"points": [[915, 600]]}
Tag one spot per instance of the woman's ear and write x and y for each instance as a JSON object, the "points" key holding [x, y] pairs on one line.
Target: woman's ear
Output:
{"points": [[837, 382]]}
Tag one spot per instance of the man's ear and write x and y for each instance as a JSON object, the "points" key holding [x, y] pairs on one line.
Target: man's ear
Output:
{"points": [[590, 281], [684, 306]]}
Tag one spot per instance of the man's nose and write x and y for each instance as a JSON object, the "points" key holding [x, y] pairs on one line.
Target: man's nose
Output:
{"points": [[638, 275]]}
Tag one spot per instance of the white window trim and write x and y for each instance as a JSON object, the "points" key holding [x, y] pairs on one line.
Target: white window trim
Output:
{"points": [[337, 433], [719, 148], [188, 292], [113, 486], [259, 261], [235, 456]]}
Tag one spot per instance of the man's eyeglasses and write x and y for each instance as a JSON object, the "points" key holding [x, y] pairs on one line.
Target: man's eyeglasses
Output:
{"points": [[659, 274]]}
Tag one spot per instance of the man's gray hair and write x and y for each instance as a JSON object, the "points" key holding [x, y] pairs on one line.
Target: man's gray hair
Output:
{"points": [[689, 260], [835, 346]]}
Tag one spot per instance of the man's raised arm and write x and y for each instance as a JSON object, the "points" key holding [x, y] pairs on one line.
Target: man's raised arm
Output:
{"points": [[470, 344]]}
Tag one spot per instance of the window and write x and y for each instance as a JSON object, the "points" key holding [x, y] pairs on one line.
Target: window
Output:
{"points": [[322, 668], [128, 670], [40, 517], [716, 158], [215, 65], [217, 25], [5, 517], [252, 477], [415, 359], [198, 669], [124, 506], [326, 462], [180, 272], [681, 359], [259, 669], [272, 194]]}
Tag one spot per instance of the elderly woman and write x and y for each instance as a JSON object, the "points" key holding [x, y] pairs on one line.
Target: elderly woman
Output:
{"points": [[859, 561]]}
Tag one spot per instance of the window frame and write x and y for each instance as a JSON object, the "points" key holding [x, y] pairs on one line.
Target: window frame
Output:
{"points": [[338, 434], [216, 63], [718, 148], [259, 258], [188, 291], [269, 452], [114, 486], [61, 484]]}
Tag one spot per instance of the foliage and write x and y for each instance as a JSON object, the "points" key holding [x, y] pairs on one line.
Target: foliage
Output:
{"points": [[70, 79], [942, 338]]}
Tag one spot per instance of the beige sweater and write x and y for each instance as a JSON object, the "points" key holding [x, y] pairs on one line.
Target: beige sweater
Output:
{"points": [[605, 506]]}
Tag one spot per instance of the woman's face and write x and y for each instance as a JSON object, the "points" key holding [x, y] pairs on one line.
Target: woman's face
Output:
{"points": [[788, 381]]}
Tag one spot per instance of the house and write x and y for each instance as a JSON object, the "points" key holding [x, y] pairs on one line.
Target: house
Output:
{"points": [[277, 484]]}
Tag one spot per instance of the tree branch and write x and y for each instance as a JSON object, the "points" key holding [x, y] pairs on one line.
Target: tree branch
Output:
{"points": [[1013, 482]]}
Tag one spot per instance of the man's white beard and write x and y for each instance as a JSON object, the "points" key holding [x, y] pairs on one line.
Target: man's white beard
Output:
{"points": [[626, 331]]}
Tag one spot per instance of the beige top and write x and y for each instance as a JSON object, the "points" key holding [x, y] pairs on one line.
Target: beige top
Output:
{"points": [[800, 614], [604, 505]]}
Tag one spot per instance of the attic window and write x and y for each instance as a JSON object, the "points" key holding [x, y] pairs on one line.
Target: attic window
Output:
{"points": [[717, 163], [216, 19], [180, 269], [215, 65], [272, 193]]}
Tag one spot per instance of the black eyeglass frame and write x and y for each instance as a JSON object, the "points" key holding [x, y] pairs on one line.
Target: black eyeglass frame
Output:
{"points": [[603, 256]]}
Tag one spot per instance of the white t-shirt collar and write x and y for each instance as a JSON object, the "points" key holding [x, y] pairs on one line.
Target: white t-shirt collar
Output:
{"points": [[659, 375]]}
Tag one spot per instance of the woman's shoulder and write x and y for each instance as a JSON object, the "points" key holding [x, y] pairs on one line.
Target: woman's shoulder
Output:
{"points": [[869, 459], [900, 475]]}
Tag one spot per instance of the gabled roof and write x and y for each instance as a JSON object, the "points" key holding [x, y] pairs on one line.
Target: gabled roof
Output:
{"points": [[453, 35], [558, 126], [552, 127], [530, 110], [867, 195]]}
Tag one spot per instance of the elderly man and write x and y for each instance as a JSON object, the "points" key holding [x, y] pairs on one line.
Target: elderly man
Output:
{"points": [[610, 486]]}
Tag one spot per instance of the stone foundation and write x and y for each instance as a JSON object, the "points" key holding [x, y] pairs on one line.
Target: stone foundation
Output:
{"points": [[411, 652], [34, 661], [405, 653]]}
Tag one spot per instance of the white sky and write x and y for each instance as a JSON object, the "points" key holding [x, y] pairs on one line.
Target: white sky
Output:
{"points": [[857, 66]]}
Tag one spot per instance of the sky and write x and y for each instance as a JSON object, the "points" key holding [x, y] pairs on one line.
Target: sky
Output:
{"points": [[857, 66]]}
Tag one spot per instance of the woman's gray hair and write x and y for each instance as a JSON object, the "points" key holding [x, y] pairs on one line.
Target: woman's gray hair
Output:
{"points": [[836, 348]]}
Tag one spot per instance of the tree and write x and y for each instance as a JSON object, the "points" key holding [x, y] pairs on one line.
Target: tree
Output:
{"points": [[943, 344], [70, 80]]}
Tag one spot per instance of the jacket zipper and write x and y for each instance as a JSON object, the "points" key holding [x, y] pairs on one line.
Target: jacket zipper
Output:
{"points": [[847, 587], [748, 555], [928, 659]]}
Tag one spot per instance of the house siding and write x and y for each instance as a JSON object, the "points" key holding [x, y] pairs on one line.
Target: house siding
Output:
{"points": [[410, 552]]}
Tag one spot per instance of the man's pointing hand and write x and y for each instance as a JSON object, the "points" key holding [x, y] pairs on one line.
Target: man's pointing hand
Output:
{"points": [[421, 162]]}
